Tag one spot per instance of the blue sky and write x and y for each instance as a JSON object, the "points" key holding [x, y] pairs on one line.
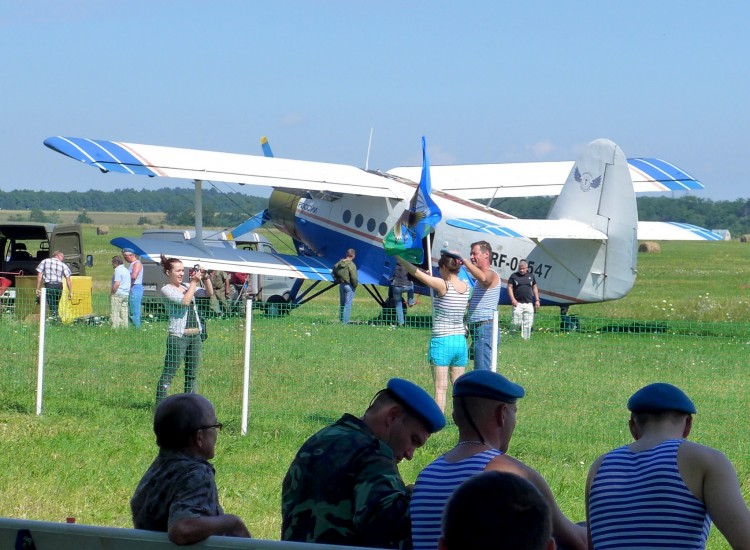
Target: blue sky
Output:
{"points": [[484, 81]]}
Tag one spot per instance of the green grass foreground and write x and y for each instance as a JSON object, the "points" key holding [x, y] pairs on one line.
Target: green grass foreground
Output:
{"points": [[84, 456]]}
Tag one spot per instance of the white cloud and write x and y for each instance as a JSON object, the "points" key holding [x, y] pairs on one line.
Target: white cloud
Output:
{"points": [[292, 119], [542, 149]]}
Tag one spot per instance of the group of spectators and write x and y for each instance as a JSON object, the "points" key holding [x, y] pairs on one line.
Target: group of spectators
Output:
{"points": [[452, 323], [126, 290], [344, 488]]}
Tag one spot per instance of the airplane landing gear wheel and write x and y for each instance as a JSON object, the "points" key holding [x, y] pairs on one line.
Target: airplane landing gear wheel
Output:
{"points": [[277, 306]]}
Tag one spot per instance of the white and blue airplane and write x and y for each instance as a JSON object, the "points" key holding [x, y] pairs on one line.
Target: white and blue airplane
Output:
{"points": [[584, 251]]}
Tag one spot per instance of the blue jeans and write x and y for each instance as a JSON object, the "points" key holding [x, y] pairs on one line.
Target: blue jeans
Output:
{"points": [[397, 292], [481, 341], [346, 295], [134, 304]]}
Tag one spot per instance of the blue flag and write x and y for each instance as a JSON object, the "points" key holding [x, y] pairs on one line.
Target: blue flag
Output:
{"points": [[405, 238]]}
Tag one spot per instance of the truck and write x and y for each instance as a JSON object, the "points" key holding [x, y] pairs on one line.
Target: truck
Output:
{"points": [[268, 291], [23, 245]]}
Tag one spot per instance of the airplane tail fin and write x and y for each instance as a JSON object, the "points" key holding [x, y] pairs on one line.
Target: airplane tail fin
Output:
{"points": [[599, 192]]}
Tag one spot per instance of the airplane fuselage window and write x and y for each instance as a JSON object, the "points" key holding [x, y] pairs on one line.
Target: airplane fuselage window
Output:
{"points": [[371, 225], [382, 229], [347, 216], [359, 220]]}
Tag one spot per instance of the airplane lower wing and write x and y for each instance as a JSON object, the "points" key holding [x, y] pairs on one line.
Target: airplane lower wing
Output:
{"points": [[224, 257], [673, 231], [533, 179], [194, 164]]}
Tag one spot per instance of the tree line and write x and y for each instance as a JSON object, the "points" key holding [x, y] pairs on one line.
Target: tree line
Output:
{"points": [[222, 209]]}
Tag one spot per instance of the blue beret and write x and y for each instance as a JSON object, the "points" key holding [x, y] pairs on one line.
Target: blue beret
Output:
{"points": [[487, 384], [660, 397], [128, 250], [419, 402]]}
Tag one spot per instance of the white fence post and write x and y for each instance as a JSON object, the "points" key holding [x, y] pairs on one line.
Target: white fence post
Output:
{"points": [[246, 366], [40, 354]]}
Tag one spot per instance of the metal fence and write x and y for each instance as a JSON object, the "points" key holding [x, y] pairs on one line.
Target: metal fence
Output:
{"points": [[303, 362]]}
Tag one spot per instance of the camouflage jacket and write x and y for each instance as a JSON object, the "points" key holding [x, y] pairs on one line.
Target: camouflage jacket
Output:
{"points": [[345, 271], [343, 487]]}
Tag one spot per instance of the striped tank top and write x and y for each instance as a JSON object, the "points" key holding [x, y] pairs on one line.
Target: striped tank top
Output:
{"points": [[434, 486], [484, 303], [639, 500], [449, 311]]}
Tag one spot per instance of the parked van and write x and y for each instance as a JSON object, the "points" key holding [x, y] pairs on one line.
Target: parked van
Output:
{"points": [[265, 289], [23, 245]]}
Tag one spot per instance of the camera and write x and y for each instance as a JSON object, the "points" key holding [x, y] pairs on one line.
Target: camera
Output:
{"points": [[196, 269]]}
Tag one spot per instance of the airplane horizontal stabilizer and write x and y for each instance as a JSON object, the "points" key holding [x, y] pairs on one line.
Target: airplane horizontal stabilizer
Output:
{"points": [[536, 179], [532, 229], [673, 231], [194, 164]]}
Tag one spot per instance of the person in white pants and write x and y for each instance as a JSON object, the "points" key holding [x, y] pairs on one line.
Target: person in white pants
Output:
{"points": [[524, 297]]}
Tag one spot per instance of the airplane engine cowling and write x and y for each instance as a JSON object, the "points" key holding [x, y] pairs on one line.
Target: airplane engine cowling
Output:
{"points": [[282, 208]]}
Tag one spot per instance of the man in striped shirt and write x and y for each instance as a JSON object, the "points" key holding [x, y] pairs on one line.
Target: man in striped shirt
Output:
{"points": [[484, 409], [662, 491]]}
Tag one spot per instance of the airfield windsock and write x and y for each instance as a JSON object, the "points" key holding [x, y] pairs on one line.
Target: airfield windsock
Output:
{"points": [[405, 238]]}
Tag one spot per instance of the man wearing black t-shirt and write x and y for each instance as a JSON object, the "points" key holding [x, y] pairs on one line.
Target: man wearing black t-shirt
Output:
{"points": [[524, 297]]}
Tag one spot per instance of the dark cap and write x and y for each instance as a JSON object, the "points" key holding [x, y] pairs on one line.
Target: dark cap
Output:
{"points": [[487, 384], [128, 251], [660, 397], [419, 402]]}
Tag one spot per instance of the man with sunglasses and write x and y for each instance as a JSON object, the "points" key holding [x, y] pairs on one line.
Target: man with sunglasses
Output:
{"points": [[178, 493]]}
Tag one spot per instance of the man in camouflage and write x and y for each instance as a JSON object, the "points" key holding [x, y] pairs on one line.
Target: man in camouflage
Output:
{"points": [[343, 487]]}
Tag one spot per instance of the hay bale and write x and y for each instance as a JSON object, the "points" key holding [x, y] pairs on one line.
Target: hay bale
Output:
{"points": [[102, 229], [649, 247], [745, 239]]}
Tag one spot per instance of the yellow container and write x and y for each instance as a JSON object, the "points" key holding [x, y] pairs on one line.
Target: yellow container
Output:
{"points": [[80, 304], [25, 303]]}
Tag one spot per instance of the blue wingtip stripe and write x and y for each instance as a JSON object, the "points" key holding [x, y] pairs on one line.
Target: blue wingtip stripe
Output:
{"points": [[106, 155], [672, 177], [700, 231]]}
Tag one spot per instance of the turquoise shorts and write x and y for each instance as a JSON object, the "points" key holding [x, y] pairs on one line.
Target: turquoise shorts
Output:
{"points": [[449, 351]]}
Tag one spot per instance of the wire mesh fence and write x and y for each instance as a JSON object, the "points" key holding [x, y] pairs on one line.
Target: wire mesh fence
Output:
{"points": [[305, 365]]}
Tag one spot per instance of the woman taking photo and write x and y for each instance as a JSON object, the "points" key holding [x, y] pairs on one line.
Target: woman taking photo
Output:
{"points": [[448, 348], [184, 336]]}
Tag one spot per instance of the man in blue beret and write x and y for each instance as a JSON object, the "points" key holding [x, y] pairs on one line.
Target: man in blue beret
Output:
{"points": [[484, 409], [344, 487], [662, 488]]}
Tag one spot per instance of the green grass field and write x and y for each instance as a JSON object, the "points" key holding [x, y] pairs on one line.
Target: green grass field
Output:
{"points": [[84, 456]]}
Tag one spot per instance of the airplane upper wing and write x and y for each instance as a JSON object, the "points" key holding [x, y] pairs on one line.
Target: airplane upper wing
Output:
{"points": [[172, 162], [530, 179], [673, 231], [224, 257]]}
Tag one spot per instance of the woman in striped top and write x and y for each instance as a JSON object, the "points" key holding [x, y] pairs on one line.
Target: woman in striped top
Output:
{"points": [[448, 350]]}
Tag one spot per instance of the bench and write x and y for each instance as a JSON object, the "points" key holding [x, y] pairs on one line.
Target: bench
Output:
{"points": [[48, 535]]}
